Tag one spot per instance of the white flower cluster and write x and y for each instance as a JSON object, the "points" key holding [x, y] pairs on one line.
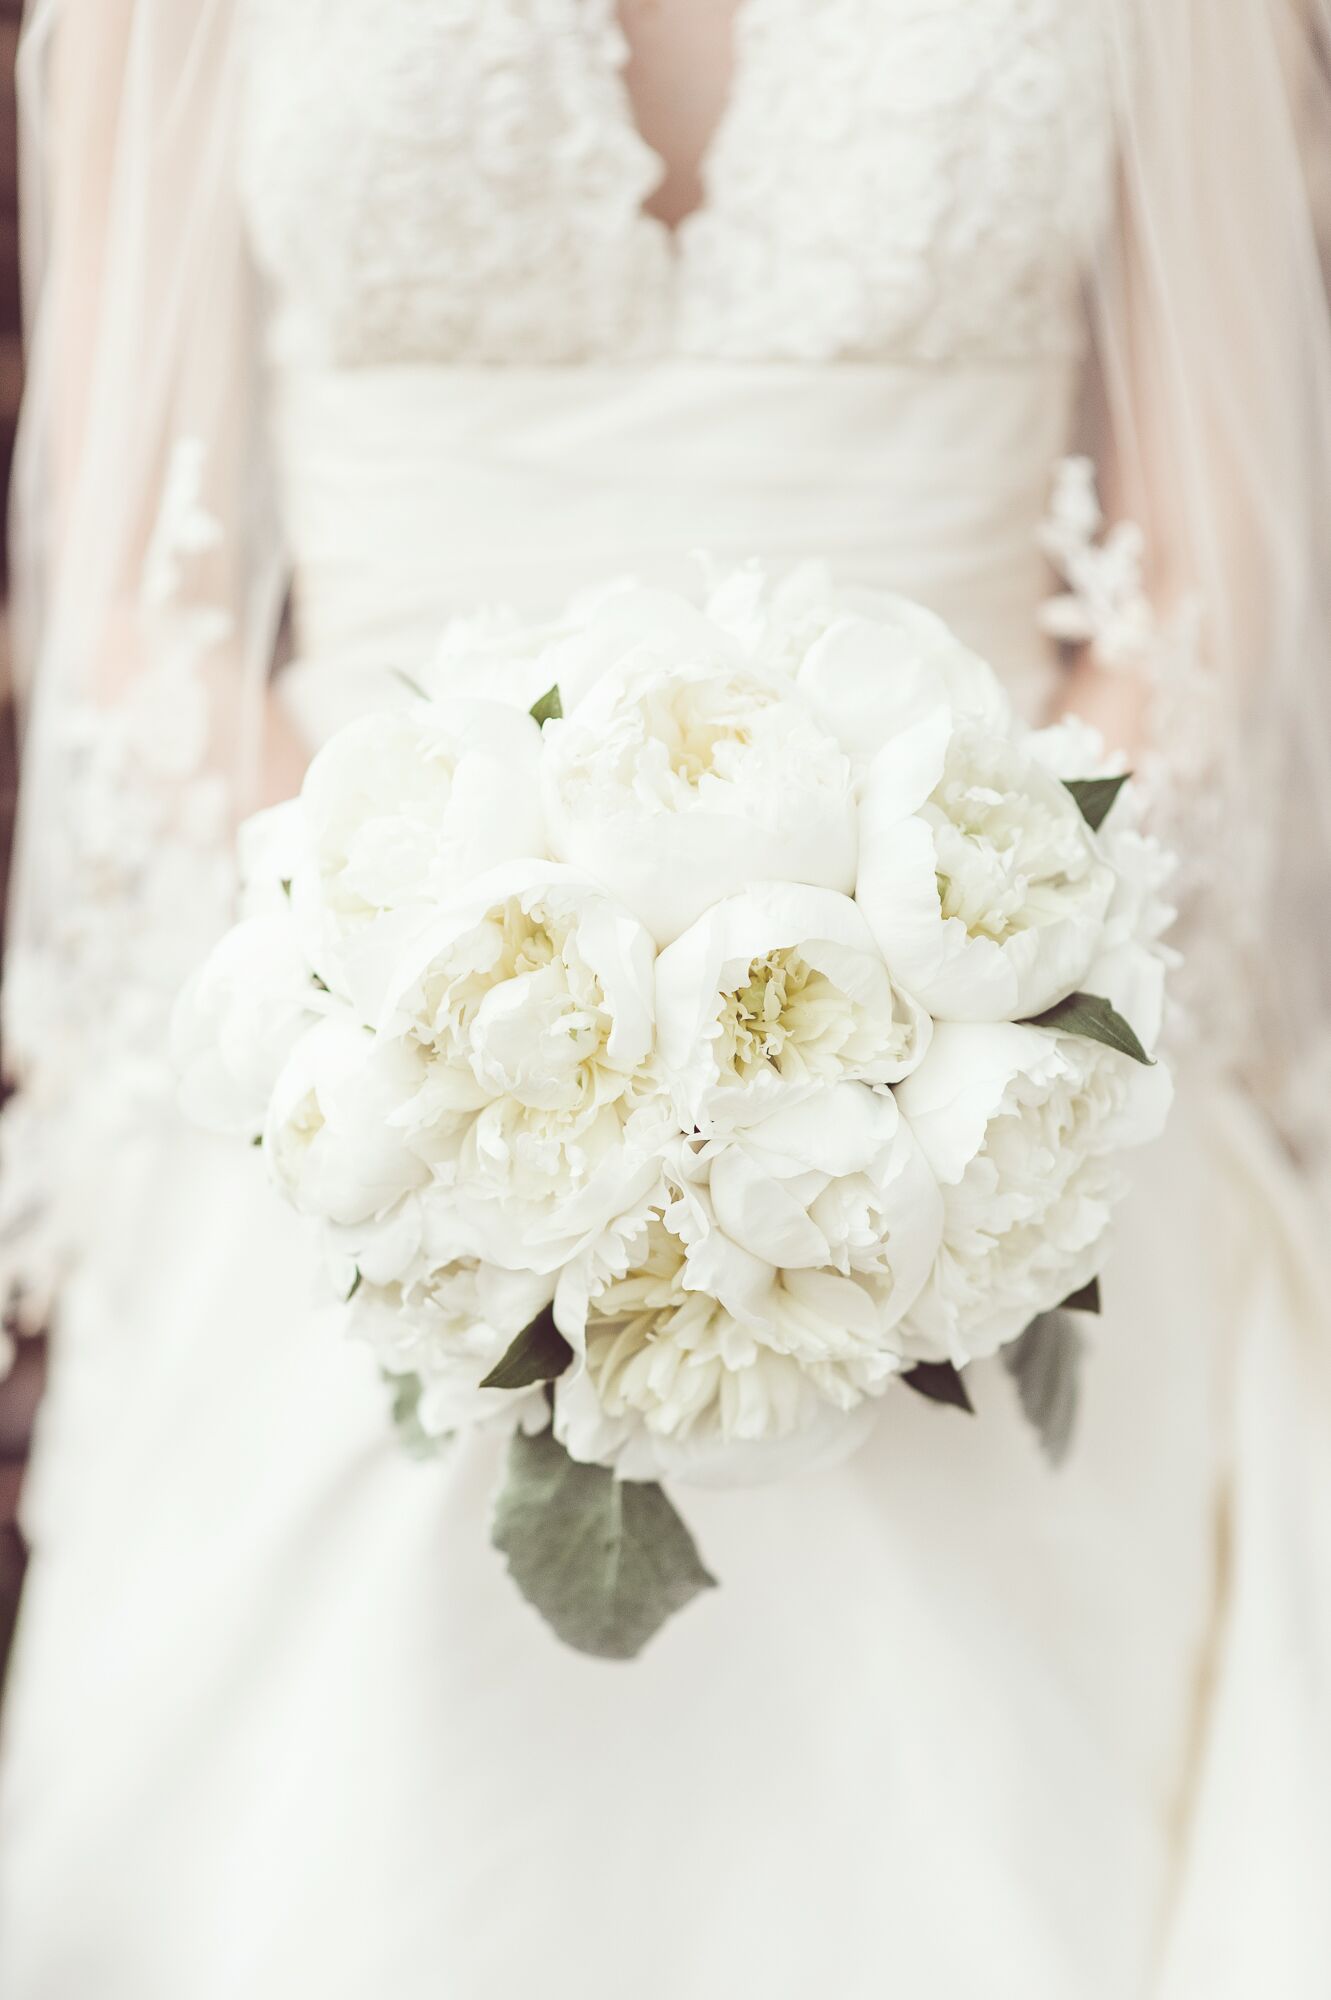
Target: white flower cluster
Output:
{"points": [[703, 1026]]}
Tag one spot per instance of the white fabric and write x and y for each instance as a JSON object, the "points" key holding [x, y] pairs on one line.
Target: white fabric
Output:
{"points": [[954, 1725], [412, 494], [479, 183]]}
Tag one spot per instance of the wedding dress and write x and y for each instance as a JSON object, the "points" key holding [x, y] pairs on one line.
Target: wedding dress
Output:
{"points": [[955, 1724]]}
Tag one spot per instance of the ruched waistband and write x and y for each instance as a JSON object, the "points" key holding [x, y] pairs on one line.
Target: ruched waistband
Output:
{"points": [[416, 493]]}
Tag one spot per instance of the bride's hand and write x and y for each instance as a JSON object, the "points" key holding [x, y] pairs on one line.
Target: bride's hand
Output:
{"points": [[285, 753], [1116, 702]]}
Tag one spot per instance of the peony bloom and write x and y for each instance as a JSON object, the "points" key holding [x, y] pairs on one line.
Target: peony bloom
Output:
{"points": [[979, 877], [528, 1006], [876, 672], [449, 1328], [269, 848], [1131, 961], [686, 773], [336, 1136], [401, 810], [731, 1324], [499, 655], [1023, 1129], [778, 990], [236, 1021]]}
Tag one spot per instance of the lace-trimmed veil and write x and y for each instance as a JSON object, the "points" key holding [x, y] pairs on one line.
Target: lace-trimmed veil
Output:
{"points": [[148, 568]]}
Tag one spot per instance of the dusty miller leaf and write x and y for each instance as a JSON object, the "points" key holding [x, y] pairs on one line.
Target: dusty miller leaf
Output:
{"points": [[1045, 1364], [404, 1407], [540, 1353], [1087, 1014], [550, 708], [941, 1383], [1095, 797], [605, 1561]]}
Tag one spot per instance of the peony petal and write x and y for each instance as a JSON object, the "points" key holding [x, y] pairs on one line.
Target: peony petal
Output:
{"points": [[951, 1097], [758, 1213]]}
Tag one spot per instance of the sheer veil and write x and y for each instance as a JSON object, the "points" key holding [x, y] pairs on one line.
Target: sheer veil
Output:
{"points": [[148, 578], [1211, 423], [149, 568]]}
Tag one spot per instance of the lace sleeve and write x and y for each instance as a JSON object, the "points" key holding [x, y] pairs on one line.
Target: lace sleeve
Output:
{"points": [[147, 584]]}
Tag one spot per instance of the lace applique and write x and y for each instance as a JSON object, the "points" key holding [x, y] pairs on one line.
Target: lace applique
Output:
{"points": [[890, 179], [143, 883], [903, 181], [449, 180], [1105, 605]]}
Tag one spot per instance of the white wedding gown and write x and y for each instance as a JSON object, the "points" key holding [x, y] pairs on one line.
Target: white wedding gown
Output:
{"points": [[955, 1727]]}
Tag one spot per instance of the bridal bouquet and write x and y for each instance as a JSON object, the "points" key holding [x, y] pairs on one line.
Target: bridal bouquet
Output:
{"points": [[690, 1023]]}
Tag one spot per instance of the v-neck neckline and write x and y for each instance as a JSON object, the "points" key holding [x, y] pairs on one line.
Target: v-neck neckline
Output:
{"points": [[674, 233]]}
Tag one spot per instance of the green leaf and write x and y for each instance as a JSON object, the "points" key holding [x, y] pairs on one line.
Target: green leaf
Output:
{"points": [[605, 1561], [405, 1410], [1045, 1364], [286, 887], [549, 708], [355, 1286], [539, 1354], [1087, 1014], [1087, 1300], [1095, 796], [941, 1383]]}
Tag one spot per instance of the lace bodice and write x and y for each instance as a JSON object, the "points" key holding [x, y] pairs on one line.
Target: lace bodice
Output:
{"points": [[462, 180]]}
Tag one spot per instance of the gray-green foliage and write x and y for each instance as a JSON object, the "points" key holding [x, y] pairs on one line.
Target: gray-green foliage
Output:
{"points": [[605, 1561]]}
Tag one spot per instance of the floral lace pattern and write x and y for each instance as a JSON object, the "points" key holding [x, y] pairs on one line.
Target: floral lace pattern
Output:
{"points": [[479, 183], [145, 883]]}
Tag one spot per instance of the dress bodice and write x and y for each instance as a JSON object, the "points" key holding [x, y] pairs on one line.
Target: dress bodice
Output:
{"points": [[463, 181]]}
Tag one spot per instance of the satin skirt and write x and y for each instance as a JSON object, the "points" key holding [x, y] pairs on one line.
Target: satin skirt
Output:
{"points": [[954, 1727], [954, 1724]]}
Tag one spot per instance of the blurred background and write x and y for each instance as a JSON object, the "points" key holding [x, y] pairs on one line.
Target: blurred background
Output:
{"points": [[16, 1396]]}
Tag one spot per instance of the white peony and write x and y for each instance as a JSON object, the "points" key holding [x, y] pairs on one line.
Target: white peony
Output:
{"points": [[732, 1324], [779, 989], [876, 672], [529, 1007], [1023, 1130], [861, 657], [686, 773], [979, 877], [448, 1329], [237, 1019], [1131, 961], [401, 810], [501, 656], [269, 846], [337, 1137]]}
